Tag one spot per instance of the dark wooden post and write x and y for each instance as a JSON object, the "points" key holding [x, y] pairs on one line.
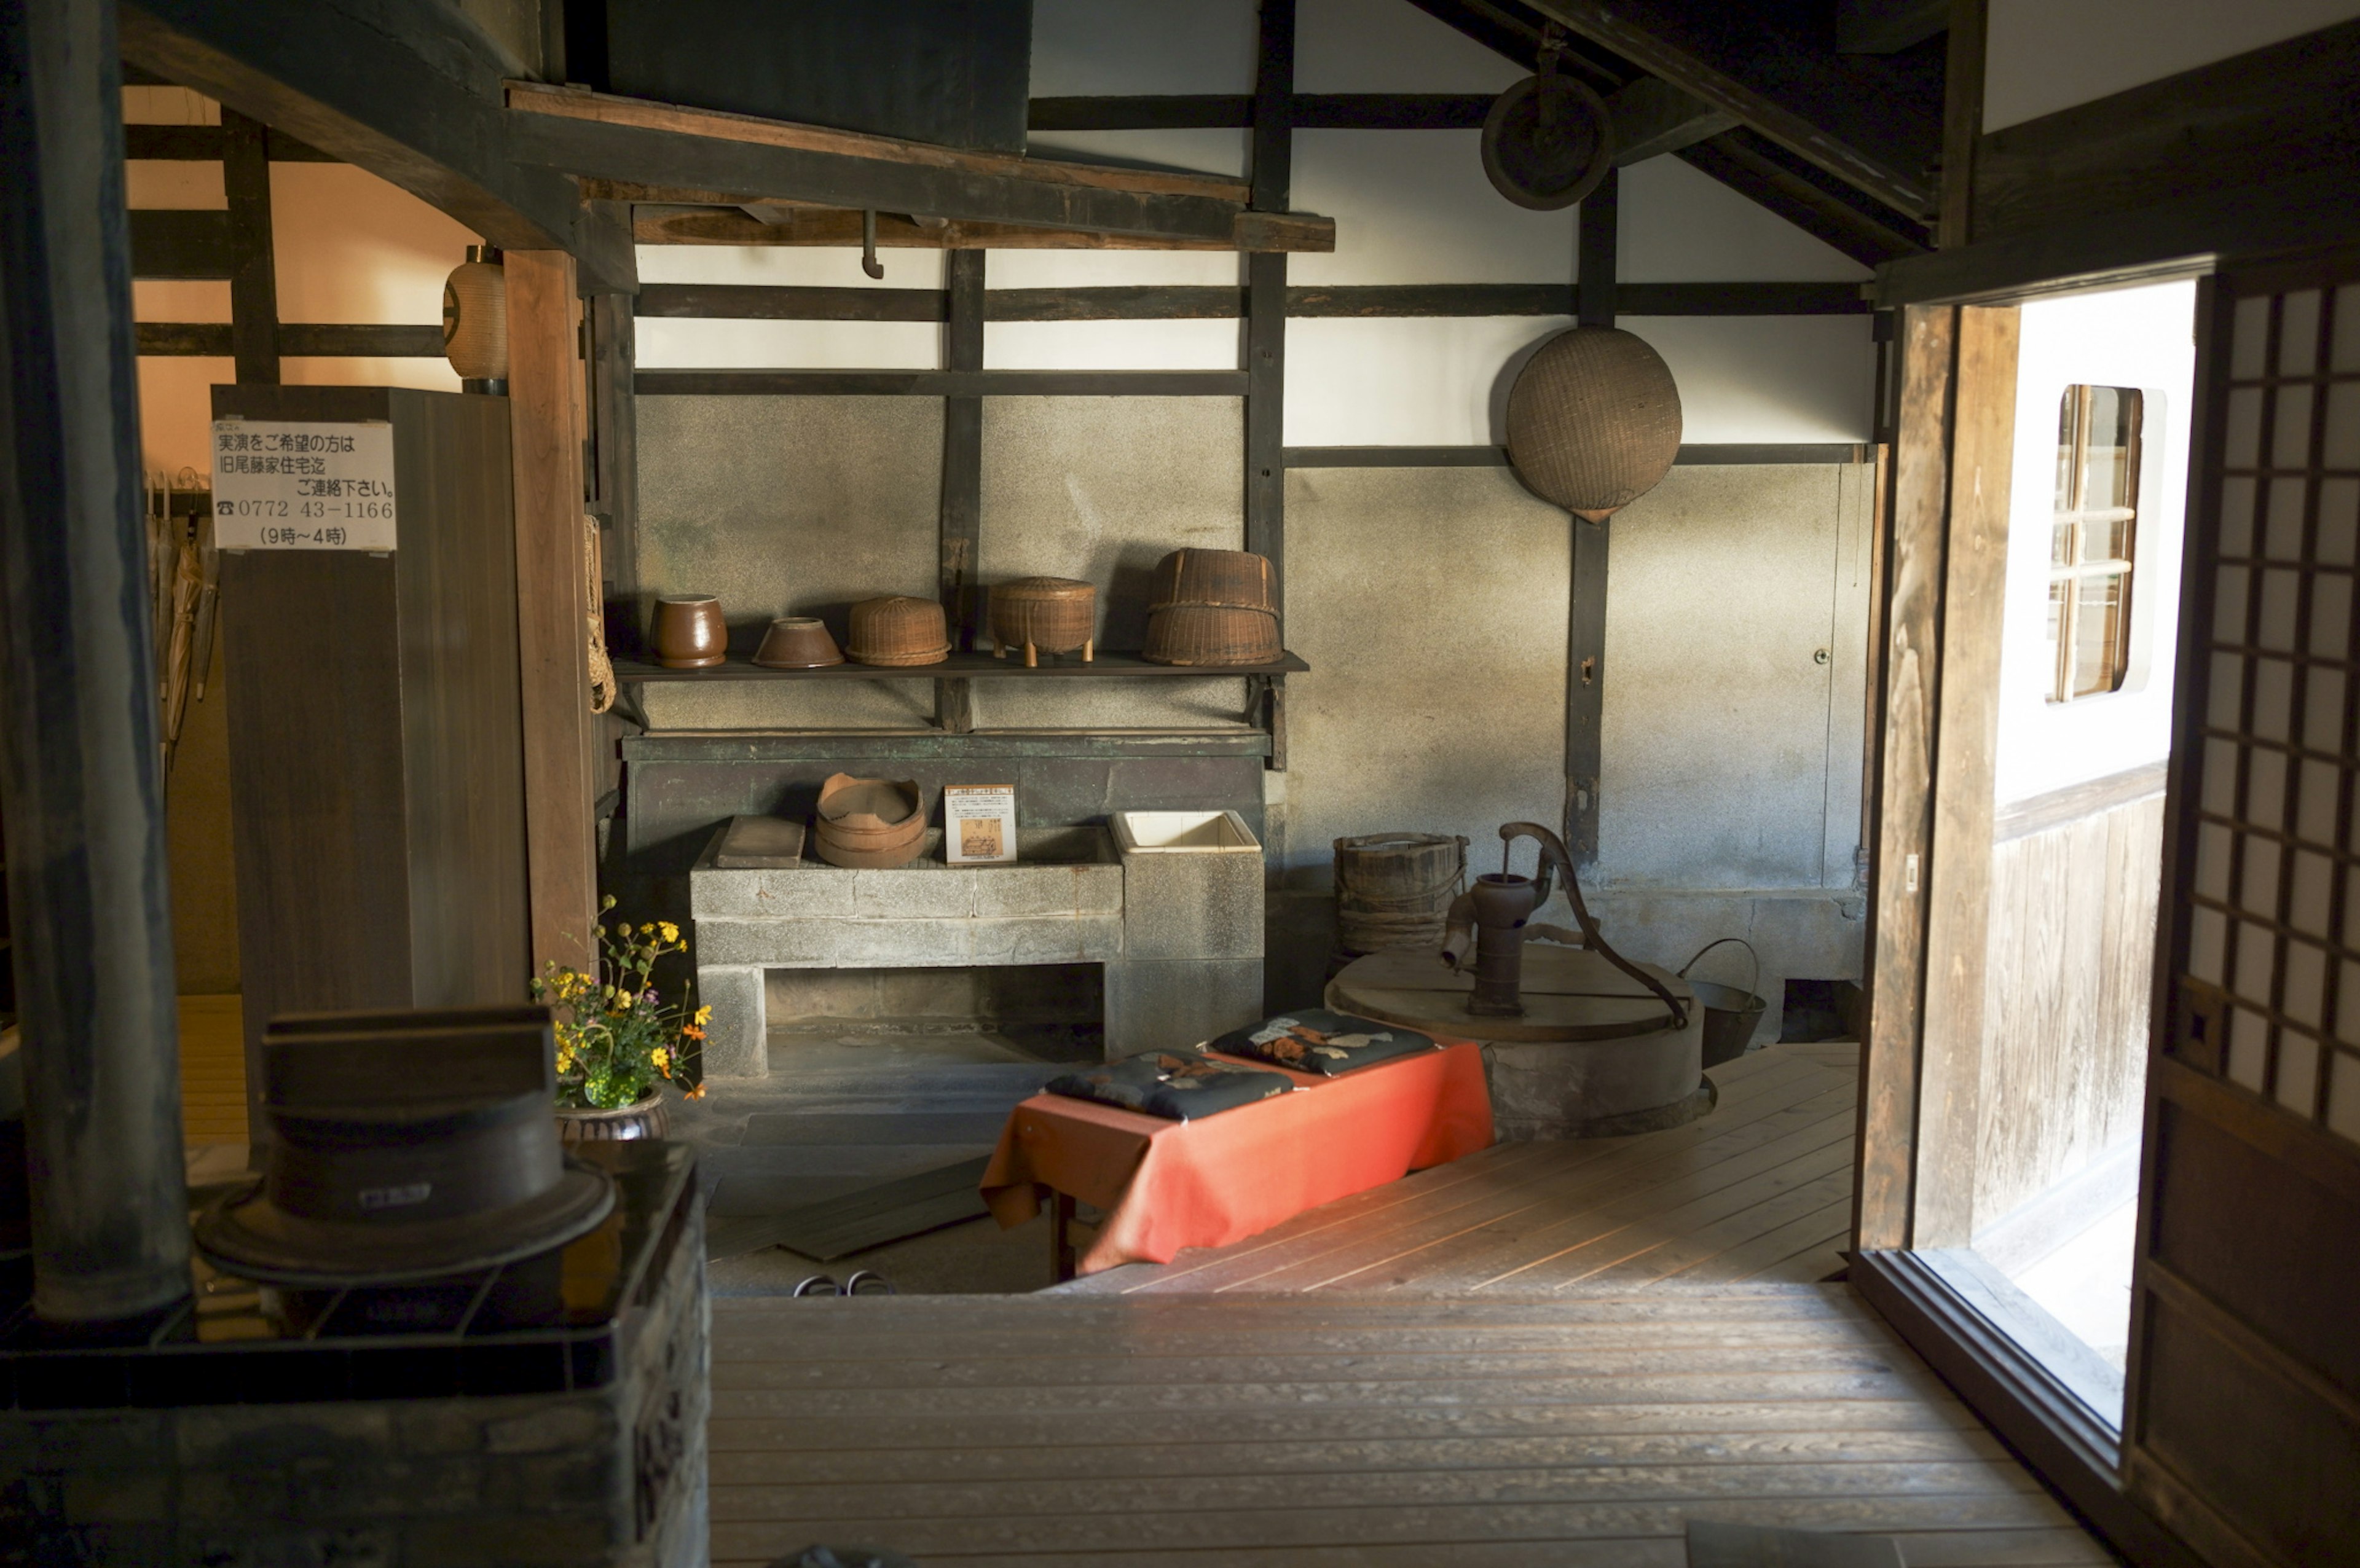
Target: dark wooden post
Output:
{"points": [[1274, 144], [1585, 663], [254, 269], [80, 777]]}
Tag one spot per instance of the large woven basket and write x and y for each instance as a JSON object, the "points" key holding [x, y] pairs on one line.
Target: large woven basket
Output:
{"points": [[1044, 614], [899, 630], [1212, 636], [1233, 577], [1593, 421]]}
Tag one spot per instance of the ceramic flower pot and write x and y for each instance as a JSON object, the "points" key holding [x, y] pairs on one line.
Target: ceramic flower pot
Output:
{"points": [[642, 1119]]}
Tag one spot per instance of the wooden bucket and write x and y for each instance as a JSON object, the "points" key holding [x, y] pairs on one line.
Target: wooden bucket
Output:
{"points": [[1393, 890]]}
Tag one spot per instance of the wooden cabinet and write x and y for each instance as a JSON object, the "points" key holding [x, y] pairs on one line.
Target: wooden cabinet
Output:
{"points": [[377, 775]]}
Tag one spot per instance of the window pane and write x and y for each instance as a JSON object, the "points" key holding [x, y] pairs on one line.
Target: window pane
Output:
{"points": [[2113, 438], [2059, 590], [2097, 633]]}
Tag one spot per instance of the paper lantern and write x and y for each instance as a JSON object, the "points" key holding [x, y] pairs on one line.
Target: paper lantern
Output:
{"points": [[1593, 421], [476, 320]]}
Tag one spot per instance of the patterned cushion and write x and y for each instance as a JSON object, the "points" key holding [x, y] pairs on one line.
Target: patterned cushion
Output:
{"points": [[1172, 1084], [1313, 1040]]}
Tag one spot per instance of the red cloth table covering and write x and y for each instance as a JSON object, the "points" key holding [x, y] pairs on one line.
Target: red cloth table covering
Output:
{"points": [[1222, 1178]]}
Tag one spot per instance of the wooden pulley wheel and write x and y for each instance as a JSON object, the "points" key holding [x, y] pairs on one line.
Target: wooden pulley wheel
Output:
{"points": [[1593, 421], [1547, 142]]}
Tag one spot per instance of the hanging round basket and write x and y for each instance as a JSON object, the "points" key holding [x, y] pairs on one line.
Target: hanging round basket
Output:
{"points": [[1547, 142], [1593, 421]]}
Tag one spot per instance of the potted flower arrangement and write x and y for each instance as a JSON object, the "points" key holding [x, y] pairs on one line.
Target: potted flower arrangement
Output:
{"points": [[616, 1039]]}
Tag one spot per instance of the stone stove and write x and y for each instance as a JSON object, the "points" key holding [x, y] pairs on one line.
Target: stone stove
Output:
{"points": [[1177, 926]]}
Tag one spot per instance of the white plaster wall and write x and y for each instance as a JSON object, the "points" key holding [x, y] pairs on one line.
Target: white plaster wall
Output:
{"points": [[2133, 337], [2042, 56]]}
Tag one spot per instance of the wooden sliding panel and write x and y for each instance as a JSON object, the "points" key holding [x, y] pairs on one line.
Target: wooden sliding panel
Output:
{"points": [[2242, 1430], [1916, 508], [545, 421], [1959, 858]]}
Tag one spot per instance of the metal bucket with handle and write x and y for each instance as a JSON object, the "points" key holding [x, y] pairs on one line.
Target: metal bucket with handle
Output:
{"points": [[1730, 1015]]}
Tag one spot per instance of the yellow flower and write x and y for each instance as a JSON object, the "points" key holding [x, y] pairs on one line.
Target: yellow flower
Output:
{"points": [[671, 932], [704, 1015], [622, 1001], [661, 1058]]}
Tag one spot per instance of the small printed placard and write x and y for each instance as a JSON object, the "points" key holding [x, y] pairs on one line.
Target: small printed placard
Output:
{"points": [[282, 485], [978, 822]]}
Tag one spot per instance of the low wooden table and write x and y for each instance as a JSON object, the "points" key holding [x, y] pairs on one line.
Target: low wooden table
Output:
{"points": [[1166, 1185]]}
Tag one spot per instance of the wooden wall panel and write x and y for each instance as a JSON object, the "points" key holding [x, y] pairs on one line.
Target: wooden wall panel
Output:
{"points": [[545, 422], [2072, 946]]}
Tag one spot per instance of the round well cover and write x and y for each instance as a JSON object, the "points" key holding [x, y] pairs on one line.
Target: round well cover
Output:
{"points": [[1593, 421], [1548, 145]]}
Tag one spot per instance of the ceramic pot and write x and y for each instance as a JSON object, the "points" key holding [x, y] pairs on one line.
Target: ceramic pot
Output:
{"points": [[642, 1119], [689, 633], [798, 642]]}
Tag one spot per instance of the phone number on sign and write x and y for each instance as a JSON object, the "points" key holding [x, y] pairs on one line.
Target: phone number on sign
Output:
{"points": [[358, 511]]}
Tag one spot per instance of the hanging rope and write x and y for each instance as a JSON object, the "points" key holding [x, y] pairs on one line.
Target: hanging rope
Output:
{"points": [[602, 669]]}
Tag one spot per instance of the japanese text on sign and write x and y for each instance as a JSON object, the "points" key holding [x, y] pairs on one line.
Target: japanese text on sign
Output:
{"points": [[284, 485]]}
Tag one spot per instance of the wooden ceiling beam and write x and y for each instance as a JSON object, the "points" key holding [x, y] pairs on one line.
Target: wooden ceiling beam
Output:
{"points": [[665, 147], [1773, 178], [1838, 96]]}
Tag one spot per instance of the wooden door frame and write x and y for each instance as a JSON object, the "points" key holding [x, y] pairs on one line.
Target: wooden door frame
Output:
{"points": [[1936, 724]]}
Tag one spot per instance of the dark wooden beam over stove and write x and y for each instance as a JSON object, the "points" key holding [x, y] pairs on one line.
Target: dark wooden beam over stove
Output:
{"points": [[410, 93], [662, 145]]}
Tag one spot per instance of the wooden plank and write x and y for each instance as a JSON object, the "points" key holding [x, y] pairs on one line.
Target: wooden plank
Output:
{"points": [[1652, 117], [1588, 1484], [1772, 1231], [202, 144], [1105, 664], [368, 340], [713, 218], [2033, 1547], [1209, 302], [601, 135], [1272, 159], [1902, 803], [941, 383], [545, 432], [1010, 1433], [928, 1535], [1312, 111], [737, 1461], [529, 101], [1959, 856], [2287, 107]]}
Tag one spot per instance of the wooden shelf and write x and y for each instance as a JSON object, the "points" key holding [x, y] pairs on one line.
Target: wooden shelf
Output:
{"points": [[960, 667]]}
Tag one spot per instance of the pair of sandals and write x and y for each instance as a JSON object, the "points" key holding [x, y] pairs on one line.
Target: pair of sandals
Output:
{"points": [[862, 1281]]}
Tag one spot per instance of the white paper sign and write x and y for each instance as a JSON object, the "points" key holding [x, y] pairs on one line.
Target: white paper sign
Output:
{"points": [[282, 485], [978, 822]]}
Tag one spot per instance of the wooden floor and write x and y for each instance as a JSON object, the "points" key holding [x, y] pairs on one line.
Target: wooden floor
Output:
{"points": [[213, 1071], [1759, 1189], [1254, 1431]]}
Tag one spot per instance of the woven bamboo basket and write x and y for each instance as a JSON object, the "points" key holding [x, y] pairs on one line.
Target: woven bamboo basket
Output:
{"points": [[1593, 421], [1044, 614], [899, 630], [1212, 636], [1229, 577]]}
